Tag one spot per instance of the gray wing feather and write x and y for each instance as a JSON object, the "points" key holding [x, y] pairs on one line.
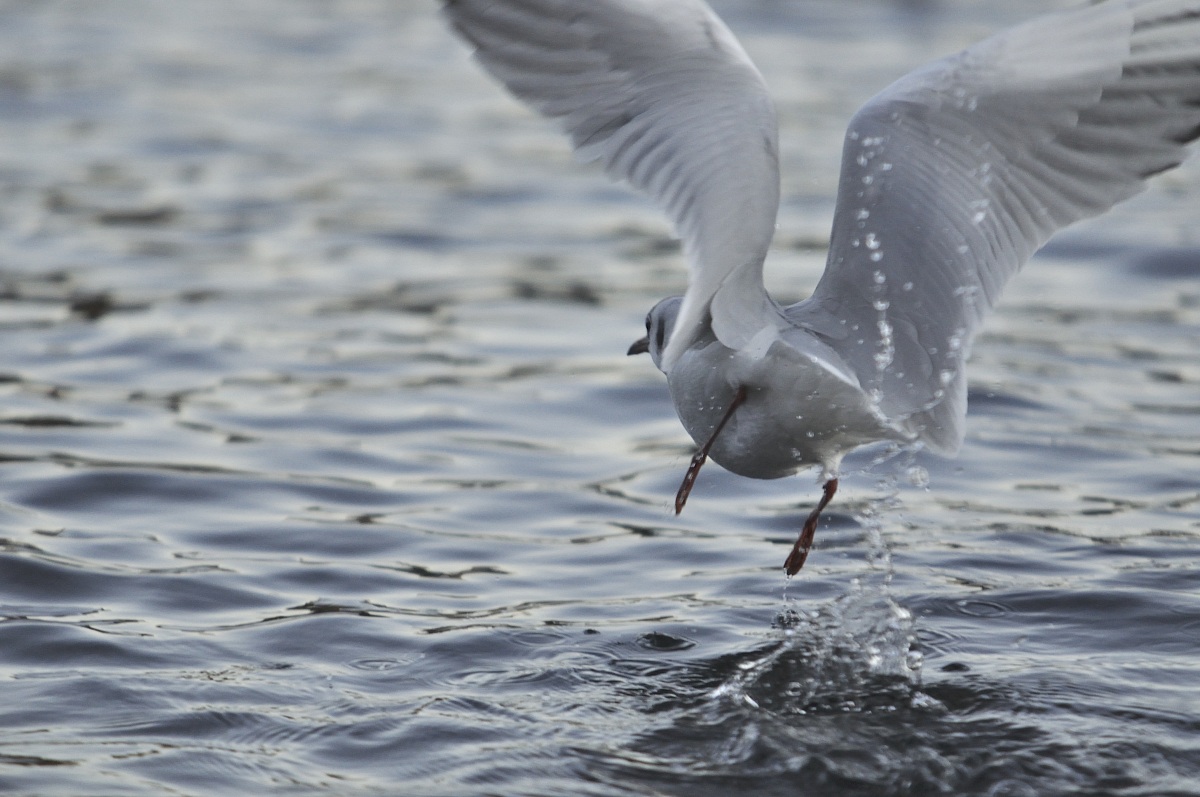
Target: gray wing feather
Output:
{"points": [[955, 175], [662, 93]]}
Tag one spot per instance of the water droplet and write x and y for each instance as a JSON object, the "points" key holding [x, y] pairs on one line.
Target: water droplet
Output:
{"points": [[918, 476], [872, 241]]}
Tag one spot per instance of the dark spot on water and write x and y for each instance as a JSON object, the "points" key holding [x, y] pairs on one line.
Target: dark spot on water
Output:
{"points": [[955, 666], [93, 306], [1169, 377], [416, 239], [426, 572], [323, 607], [501, 196], [197, 296], [575, 291], [990, 399], [1182, 263], [7, 759], [402, 297], [646, 245], [138, 216], [664, 642], [49, 421]]}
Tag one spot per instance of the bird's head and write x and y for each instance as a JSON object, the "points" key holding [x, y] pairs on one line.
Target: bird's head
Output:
{"points": [[659, 323]]}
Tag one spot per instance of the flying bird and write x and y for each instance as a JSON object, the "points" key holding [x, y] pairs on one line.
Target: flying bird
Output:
{"points": [[951, 178]]}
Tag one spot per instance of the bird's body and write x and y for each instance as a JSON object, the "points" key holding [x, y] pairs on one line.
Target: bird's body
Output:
{"points": [[951, 178], [803, 407]]}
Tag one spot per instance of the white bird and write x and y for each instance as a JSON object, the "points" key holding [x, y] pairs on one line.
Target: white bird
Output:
{"points": [[951, 178]]}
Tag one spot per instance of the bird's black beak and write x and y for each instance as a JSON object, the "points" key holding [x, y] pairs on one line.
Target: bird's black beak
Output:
{"points": [[640, 346]]}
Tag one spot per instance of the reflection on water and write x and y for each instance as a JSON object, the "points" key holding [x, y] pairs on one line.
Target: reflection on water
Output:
{"points": [[324, 469]]}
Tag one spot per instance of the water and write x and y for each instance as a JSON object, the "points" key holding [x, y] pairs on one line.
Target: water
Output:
{"points": [[323, 470]]}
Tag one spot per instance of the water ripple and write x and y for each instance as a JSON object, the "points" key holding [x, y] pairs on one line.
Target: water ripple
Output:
{"points": [[324, 469]]}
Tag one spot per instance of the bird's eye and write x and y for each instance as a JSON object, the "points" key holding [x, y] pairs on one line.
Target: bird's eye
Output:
{"points": [[647, 323], [659, 334]]}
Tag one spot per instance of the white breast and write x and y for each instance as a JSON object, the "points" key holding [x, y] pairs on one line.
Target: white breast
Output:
{"points": [[798, 411]]}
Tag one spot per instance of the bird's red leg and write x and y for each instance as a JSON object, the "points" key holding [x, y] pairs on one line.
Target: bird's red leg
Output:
{"points": [[701, 456], [799, 553]]}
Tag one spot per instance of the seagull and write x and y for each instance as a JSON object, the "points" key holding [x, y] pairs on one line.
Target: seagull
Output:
{"points": [[951, 178]]}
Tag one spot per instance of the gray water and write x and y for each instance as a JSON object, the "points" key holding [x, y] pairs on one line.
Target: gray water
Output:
{"points": [[323, 471]]}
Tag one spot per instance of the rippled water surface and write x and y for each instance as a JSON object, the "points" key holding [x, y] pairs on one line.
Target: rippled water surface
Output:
{"points": [[324, 471]]}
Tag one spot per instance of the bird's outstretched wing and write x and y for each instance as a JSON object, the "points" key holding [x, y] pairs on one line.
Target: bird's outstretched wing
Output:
{"points": [[663, 95], [953, 176]]}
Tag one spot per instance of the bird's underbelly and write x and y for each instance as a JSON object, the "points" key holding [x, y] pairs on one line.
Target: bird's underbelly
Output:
{"points": [[791, 420], [766, 439]]}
